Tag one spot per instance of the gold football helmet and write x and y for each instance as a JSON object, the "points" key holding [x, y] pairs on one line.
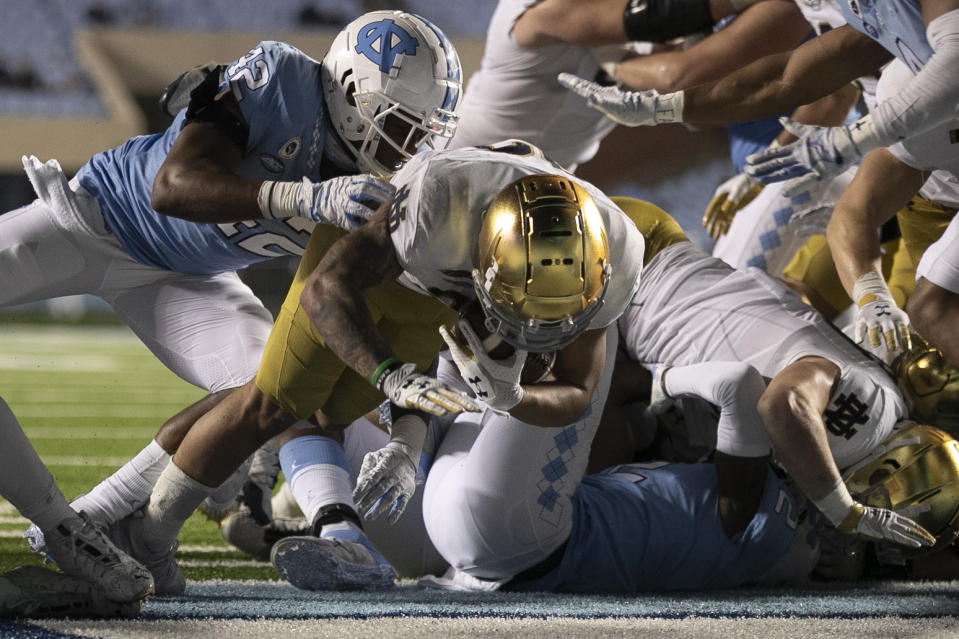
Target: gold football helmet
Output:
{"points": [[543, 262], [931, 387], [917, 466]]}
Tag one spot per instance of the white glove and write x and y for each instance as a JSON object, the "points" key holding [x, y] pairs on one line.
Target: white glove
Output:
{"points": [[348, 201], [881, 327], [409, 389], [732, 195], [820, 154], [496, 382], [883, 524], [386, 482], [632, 108]]}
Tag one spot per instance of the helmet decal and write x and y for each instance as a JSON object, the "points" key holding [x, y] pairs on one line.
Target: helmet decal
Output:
{"points": [[382, 41]]}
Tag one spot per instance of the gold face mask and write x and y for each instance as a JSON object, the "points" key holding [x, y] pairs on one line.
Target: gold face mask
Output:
{"points": [[916, 467], [543, 262]]}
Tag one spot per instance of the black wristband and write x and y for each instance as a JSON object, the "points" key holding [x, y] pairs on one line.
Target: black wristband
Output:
{"points": [[662, 20]]}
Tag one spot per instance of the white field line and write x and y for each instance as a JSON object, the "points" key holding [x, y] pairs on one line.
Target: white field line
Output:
{"points": [[92, 363], [221, 563], [105, 431], [79, 460], [37, 411]]}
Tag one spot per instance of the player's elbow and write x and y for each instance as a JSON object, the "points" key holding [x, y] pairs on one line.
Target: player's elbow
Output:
{"points": [[166, 195]]}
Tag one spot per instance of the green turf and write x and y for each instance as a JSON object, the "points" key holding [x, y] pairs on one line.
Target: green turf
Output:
{"points": [[88, 396]]}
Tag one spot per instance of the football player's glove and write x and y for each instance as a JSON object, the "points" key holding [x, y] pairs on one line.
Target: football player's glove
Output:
{"points": [[348, 201], [386, 482], [730, 196], [881, 327], [497, 382], [409, 389], [820, 154], [867, 522], [631, 108]]}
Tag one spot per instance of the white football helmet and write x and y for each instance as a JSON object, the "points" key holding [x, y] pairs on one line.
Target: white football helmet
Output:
{"points": [[393, 77]]}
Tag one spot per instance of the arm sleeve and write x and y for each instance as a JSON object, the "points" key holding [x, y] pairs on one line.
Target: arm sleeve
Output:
{"points": [[933, 94], [735, 388]]}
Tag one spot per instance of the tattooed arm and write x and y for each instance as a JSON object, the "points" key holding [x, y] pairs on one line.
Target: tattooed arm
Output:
{"points": [[334, 293]]}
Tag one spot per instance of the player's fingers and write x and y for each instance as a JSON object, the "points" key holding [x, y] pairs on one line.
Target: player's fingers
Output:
{"points": [[873, 336], [890, 338], [905, 336], [454, 401], [800, 184]]}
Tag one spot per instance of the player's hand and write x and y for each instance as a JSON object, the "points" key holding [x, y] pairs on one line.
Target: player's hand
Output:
{"points": [[496, 382], [732, 195], [409, 389], [348, 201], [820, 154], [386, 482], [872, 523], [882, 328], [631, 108]]}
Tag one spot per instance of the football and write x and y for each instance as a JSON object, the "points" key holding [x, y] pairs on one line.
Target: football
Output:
{"points": [[538, 367]]}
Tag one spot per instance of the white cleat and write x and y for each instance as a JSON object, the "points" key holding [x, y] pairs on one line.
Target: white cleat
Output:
{"points": [[34, 591], [128, 535], [82, 550], [331, 563]]}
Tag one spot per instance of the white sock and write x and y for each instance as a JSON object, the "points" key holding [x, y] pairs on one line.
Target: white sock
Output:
{"points": [[175, 496], [27, 484], [318, 472], [127, 489]]}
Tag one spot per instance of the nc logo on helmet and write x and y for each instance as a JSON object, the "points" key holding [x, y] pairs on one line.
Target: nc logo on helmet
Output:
{"points": [[382, 41]]}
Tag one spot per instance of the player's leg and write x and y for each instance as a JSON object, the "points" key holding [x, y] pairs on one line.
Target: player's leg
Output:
{"points": [[73, 541], [208, 330], [934, 305], [498, 498]]}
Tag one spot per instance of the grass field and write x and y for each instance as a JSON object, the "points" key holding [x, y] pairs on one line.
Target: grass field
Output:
{"points": [[89, 398]]}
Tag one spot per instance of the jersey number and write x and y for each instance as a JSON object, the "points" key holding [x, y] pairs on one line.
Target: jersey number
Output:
{"points": [[270, 244], [252, 71]]}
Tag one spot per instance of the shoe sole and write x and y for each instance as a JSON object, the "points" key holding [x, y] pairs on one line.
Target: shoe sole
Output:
{"points": [[309, 566]]}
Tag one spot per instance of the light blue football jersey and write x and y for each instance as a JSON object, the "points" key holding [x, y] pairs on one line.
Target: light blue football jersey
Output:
{"points": [[895, 24], [279, 93], [654, 527]]}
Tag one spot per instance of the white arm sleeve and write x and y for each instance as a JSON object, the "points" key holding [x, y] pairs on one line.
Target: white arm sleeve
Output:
{"points": [[735, 388], [933, 94]]}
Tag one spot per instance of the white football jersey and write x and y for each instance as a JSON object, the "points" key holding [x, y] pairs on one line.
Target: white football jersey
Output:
{"points": [[436, 216], [692, 308], [936, 149], [515, 94]]}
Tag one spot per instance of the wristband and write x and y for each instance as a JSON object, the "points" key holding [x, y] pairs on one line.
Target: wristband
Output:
{"points": [[836, 503], [868, 288], [387, 366], [669, 107], [278, 199]]}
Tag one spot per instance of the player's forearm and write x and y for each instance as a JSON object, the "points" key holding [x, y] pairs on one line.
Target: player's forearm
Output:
{"points": [[552, 404], [882, 186], [779, 82], [830, 110], [333, 296], [206, 194], [793, 418]]}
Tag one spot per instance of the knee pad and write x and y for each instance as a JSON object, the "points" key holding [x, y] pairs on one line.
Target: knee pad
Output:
{"points": [[662, 20]]}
